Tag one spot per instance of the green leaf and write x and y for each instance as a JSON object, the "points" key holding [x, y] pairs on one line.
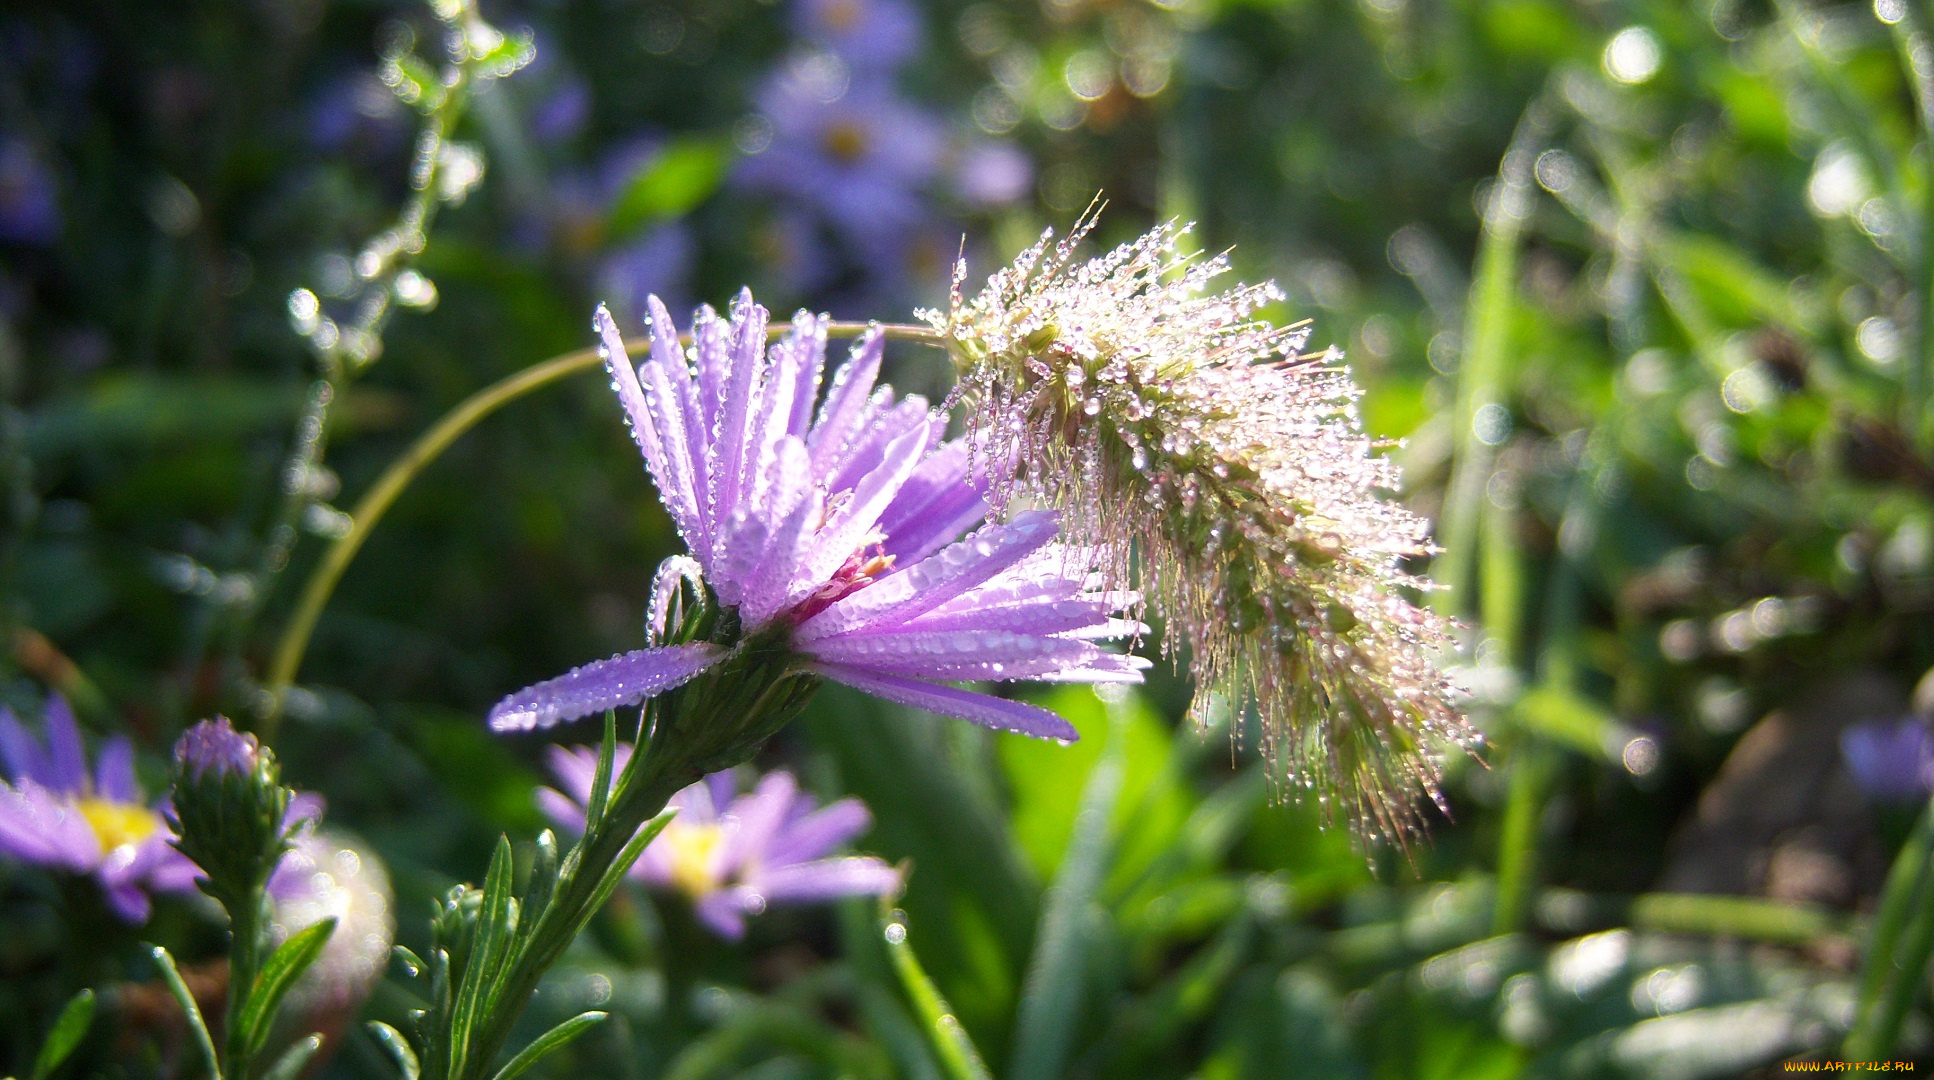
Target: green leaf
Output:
{"points": [[1571, 720], [683, 175], [601, 779], [196, 1025], [293, 1060], [279, 974], [609, 883], [399, 1049], [1052, 1001], [487, 948], [69, 1029], [547, 1042]]}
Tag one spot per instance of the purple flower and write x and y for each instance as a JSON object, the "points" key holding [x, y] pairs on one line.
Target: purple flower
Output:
{"points": [[656, 263], [993, 174], [851, 150], [876, 34], [836, 534], [326, 875], [734, 854], [1892, 761], [53, 814]]}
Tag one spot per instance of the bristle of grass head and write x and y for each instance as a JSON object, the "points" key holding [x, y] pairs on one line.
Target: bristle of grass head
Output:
{"points": [[1167, 419]]}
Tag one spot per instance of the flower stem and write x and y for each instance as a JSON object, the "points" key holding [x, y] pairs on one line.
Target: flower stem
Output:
{"points": [[244, 960], [1898, 947], [429, 446]]}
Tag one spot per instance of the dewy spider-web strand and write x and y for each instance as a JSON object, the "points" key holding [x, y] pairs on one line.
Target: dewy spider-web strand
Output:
{"points": [[1166, 419]]}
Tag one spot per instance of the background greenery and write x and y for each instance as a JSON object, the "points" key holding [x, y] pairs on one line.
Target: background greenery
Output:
{"points": [[1641, 285]]}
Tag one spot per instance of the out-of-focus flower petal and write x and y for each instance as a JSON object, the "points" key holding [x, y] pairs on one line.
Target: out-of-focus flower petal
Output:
{"points": [[828, 879]]}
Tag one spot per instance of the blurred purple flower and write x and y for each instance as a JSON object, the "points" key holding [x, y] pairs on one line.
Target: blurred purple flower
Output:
{"points": [[852, 151], [993, 174], [657, 263], [53, 814], [869, 34], [732, 854], [560, 114], [1893, 761], [838, 532], [356, 111], [29, 197], [326, 875]]}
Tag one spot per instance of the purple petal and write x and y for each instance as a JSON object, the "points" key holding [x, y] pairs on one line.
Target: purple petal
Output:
{"points": [[957, 654], [562, 811], [981, 709], [713, 362], [933, 581], [114, 772], [768, 586], [1083, 617], [865, 452], [850, 526], [38, 827], [576, 767], [717, 791], [128, 902], [673, 386], [655, 424], [607, 684], [746, 358], [820, 832], [754, 819], [21, 751], [827, 879], [846, 402], [66, 762], [808, 364], [934, 507], [723, 912]]}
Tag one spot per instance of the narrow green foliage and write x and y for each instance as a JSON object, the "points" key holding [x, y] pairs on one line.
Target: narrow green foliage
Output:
{"points": [[68, 1031], [1052, 1001], [1898, 949], [551, 1040], [398, 1047], [278, 976], [295, 1059], [950, 1041], [197, 1027]]}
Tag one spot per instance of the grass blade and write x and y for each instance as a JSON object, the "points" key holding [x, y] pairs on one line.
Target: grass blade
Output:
{"points": [[1051, 997], [68, 1031]]}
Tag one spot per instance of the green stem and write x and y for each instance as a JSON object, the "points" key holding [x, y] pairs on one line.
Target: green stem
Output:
{"points": [[950, 1041], [244, 960], [429, 446], [1898, 947]]}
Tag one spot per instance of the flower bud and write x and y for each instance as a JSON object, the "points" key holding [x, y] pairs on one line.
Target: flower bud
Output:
{"points": [[230, 810]]}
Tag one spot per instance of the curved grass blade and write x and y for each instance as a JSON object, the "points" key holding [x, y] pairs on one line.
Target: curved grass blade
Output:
{"points": [[399, 1049], [295, 1059], [950, 1042]]}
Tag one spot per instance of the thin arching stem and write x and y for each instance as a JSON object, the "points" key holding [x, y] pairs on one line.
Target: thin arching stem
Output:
{"points": [[429, 446]]}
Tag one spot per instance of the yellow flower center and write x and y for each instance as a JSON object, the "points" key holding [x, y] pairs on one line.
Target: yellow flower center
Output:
{"points": [[846, 142], [117, 824], [692, 850]]}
